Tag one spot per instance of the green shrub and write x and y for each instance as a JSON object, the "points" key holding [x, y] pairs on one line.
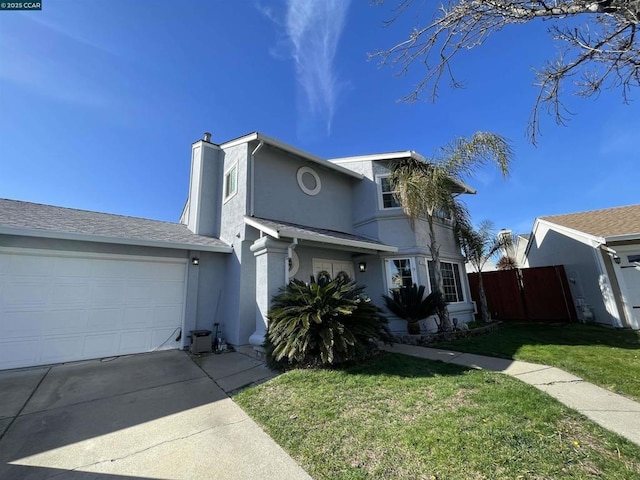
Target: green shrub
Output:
{"points": [[323, 323], [410, 304]]}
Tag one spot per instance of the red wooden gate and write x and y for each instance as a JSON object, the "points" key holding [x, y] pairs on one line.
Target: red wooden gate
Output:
{"points": [[538, 294]]}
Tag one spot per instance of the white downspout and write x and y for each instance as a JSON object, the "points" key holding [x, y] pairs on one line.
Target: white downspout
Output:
{"points": [[252, 182], [286, 260]]}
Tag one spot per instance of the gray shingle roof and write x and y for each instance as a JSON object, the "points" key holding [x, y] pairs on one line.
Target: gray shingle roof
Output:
{"points": [[293, 230], [45, 220], [608, 222]]}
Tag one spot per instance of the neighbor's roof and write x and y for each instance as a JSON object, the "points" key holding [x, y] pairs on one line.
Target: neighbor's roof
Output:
{"points": [[278, 229], [606, 223], [48, 221]]}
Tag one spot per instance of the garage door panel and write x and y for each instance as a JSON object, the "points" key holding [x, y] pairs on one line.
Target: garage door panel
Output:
{"points": [[170, 292], [70, 293], [65, 307], [64, 322], [101, 345], [24, 323], [109, 269], [138, 293], [62, 349], [33, 265], [26, 294], [137, 317], [106, 292], [165, 338], [135, 341], [19, 353], [72, 267], [144, 271], [104, 319], [163, 316]]}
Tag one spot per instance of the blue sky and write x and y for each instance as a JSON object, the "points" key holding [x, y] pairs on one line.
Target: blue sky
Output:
{"points": [[100, 101]]}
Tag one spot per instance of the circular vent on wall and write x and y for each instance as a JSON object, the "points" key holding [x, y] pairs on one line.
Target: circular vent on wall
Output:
{"points": [[308, 181]]}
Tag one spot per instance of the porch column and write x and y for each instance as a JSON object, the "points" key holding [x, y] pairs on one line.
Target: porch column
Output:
{"points": [[270, 277]]}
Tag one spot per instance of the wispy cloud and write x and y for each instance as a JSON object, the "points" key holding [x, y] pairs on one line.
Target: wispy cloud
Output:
{"points": [[313, 29]]}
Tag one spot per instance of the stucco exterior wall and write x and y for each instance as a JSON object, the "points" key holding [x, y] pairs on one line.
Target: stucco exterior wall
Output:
{"points": [[278, 196], [235, 208], [582, 262]]}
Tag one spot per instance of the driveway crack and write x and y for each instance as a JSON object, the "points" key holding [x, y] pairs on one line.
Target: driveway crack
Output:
{"points": [[143, 450]]}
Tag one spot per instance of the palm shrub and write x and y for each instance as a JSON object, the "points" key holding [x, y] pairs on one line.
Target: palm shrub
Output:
{"points": [[323, 323], [410, 304], [428, 189]]}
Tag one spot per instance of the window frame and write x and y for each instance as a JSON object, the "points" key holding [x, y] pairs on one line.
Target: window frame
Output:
{"points": [[388, 275], [231, 172], [381, 193], [457, 280]]}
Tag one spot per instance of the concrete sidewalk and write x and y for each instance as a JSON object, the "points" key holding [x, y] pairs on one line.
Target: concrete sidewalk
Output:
{"points": [[149, 416], [609, 410]]}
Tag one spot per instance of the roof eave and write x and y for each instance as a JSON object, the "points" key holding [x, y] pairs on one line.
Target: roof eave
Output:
{"points": [[84, 237], [622, 238], [463, 187], [293, 150], [585, 235], [338, 241], [284, 232], [377, 157]]}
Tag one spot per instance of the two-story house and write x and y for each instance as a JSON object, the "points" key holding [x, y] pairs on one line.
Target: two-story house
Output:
{"points": [[77, 285]]}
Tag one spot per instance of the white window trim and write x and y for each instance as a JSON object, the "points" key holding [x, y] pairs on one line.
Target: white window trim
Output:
{"points": [[227, 197], [461, 269], [387, 272], [381, 206]]}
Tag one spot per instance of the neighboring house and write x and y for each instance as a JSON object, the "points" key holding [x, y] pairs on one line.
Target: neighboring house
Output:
{"points": [[522, 240], [601, 253], [489, 266], [76, 285]]}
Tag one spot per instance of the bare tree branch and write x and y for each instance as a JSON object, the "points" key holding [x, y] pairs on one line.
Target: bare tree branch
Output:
{"points": [[604, 51]]}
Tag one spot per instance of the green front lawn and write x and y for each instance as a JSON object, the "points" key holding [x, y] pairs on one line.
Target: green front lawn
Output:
{"points": [[409, 418], [604, 356]]}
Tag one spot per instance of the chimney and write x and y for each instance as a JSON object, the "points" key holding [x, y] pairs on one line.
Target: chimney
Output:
{"points": [[205, 188]]}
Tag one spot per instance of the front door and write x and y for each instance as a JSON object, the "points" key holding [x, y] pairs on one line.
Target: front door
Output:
{"points": [[332, 267]]}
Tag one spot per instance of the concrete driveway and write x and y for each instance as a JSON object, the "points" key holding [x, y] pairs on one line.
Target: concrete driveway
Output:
{"points": [[150, 416]]}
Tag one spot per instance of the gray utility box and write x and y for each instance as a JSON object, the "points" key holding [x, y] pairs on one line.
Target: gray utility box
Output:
{"points": [[200, 341]]}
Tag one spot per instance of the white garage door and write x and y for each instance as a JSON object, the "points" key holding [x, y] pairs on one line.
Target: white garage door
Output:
{"points": [[65, 307]]}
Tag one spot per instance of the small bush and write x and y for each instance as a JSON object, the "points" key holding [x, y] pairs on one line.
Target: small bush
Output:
{"points": [[410, 304], [323, 323]]}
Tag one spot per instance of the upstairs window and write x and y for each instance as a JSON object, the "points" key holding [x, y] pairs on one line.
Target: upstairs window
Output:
{"points": [[230, 182], [387, 191], [451, 283]]}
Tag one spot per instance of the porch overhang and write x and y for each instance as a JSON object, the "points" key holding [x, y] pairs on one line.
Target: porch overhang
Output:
{"points": [[279, 229]]}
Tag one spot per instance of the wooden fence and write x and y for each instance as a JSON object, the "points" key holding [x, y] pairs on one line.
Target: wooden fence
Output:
{"points": [[533, 294]]}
